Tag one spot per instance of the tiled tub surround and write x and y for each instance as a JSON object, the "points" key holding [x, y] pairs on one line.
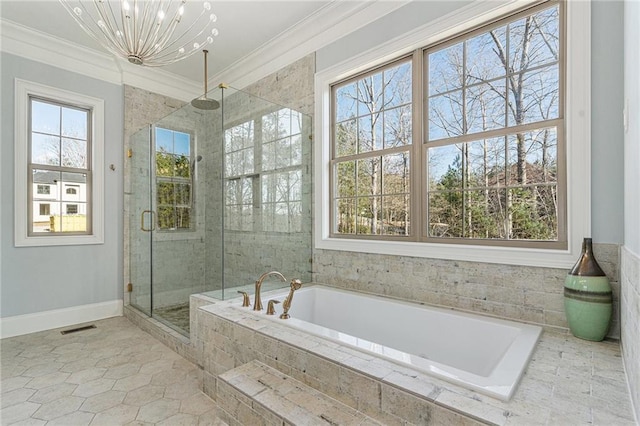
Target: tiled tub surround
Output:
{"points": [[522, 293], [630, 318], [481, 353], [568, 380]]}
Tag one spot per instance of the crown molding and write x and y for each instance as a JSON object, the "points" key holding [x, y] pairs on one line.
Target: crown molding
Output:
{"points": [[326, 25], [38, 46], [41, 47]]}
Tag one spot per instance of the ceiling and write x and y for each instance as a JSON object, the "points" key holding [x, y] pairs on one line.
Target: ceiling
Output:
{"points": [[244, 27]]}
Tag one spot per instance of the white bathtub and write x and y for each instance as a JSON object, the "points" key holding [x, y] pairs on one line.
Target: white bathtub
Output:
{"points": [[485, 354]]}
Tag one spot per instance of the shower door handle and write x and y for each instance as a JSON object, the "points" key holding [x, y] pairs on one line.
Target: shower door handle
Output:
{"points": [[153, 220]]}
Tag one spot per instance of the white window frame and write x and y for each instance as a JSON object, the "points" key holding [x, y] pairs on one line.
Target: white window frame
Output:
{"points": [[578, 136], [23, 90]]}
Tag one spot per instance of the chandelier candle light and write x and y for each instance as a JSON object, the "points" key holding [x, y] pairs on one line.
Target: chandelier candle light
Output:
{"points": [[150, 32]]}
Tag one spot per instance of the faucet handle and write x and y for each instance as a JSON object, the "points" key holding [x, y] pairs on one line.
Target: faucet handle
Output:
{"points": [[270, 308], [245, 299]]}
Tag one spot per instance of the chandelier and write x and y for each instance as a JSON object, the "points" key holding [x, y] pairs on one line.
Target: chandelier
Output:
{"points": [[145, 32]]}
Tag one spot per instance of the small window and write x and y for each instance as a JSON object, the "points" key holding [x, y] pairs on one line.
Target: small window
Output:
{"points": [[45, 209], [174, 180], [59, 143], [72, 191], [72, 209]]}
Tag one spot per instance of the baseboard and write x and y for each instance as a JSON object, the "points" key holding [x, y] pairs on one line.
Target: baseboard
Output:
{"points": [[47, 320]]}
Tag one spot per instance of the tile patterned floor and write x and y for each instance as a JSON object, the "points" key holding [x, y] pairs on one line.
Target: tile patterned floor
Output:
{"points": [[115, 374]]}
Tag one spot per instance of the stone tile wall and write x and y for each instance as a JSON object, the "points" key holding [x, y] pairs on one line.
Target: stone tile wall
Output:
{"points": [[248, 254], [523, 293], [630, 318]]}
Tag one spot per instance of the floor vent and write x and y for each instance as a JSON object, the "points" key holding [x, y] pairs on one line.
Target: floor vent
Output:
{"points": [[75, 330]]}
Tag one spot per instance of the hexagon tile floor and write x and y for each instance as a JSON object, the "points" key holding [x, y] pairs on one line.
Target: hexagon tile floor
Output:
{"points": [[114, 374]]}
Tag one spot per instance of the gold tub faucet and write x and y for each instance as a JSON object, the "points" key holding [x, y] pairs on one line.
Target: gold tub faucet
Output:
{"points": [[286, 305], [257, 302]]}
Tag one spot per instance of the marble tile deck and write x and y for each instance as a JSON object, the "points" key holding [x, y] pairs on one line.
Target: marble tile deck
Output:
{"points": [[115, 374]]}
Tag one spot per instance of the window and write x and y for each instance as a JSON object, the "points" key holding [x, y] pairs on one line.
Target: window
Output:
{"points": [[491, 130], [174, 185], [481, 150], [281, 179], [72, 191], [263, 160], [494, 133], [59, 143], [45, 209], [372, 152], [240, 176]]}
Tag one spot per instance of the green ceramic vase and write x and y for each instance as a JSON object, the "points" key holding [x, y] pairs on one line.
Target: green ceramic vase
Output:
{"points": [[587, 297]]}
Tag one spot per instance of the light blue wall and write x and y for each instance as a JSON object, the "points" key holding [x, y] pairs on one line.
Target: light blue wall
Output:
{"points": [[607, 134], [607, 92], [36, 279], [632, 137]]}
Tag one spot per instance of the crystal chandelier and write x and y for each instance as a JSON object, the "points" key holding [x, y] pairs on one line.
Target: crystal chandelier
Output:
{"points": [[146, 32]]}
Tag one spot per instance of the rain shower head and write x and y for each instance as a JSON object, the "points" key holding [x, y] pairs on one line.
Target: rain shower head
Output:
{"points": [[203, 102]]}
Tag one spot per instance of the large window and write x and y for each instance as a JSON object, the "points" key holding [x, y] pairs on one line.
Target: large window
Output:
{"points": [[477, 158], [174, 179], [498, 166], [59, 170], [263, 175]]}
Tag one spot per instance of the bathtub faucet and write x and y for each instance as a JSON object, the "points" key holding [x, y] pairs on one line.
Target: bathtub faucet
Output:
{"points": [[257, 302], [286, 305]]}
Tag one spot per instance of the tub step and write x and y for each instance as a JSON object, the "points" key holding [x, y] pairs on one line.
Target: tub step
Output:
{"points": [[256, 394]]}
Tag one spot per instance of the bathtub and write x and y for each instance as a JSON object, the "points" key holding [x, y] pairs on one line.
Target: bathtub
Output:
{"points": [[485, 354]]}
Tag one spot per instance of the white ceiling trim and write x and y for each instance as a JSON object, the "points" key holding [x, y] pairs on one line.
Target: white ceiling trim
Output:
{"points": [[41, 47], [319, 29], [38, 46], [325, 26]]}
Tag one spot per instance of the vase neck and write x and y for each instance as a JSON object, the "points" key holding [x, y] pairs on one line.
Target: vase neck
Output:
{"points": [[587, 265]]}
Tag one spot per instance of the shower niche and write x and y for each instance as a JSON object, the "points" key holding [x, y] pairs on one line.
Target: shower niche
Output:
{"points": [[217, 197]]}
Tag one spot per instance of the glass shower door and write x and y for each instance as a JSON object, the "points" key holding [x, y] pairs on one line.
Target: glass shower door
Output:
{"points": [[141, 221]]}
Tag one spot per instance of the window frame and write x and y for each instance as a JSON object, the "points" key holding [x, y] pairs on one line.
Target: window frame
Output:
{"points": [[577, 134], [24, 91]]}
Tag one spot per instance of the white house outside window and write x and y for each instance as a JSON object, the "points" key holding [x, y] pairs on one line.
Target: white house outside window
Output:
{"points": [[60, 152]]}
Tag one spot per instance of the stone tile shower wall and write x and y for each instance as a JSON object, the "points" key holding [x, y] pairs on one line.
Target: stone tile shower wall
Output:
{"points": [[523, 293], [247, 254], [178, 260]]}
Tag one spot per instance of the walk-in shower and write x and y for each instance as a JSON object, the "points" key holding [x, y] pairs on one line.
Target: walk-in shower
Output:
{"points": [[217, 197]]}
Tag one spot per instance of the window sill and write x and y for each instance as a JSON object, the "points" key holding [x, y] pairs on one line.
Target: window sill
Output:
{"points": [[546, 258], [62, 240]]}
